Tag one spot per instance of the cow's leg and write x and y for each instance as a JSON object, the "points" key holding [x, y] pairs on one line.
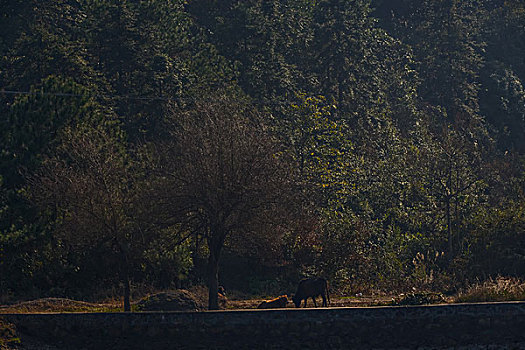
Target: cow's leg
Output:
{"points": [[324, 300], [315, 304]]}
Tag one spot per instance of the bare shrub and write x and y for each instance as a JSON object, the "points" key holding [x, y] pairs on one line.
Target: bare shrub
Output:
{"points": [[497, 289]]}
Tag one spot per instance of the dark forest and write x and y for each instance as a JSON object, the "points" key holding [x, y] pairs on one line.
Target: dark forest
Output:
{"points": [[148, 145]]}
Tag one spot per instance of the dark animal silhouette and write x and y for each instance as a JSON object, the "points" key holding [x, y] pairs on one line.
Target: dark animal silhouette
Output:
{"points": [[276, 303], [311, 288], [221, 294]]}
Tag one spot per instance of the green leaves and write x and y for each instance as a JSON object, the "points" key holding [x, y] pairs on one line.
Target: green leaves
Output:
{"points": [[405, 129], [35, 120], [313, 135]]}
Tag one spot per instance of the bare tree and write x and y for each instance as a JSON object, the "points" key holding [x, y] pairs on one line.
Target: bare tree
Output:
{"points": [[92, 187], [222, 172]]}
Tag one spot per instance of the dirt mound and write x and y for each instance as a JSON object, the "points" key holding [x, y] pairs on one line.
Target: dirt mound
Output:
{"points": [[52, 305], [174, 300]]}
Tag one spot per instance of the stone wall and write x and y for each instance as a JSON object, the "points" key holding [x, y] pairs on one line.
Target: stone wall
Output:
{"points": [[500, 325]]}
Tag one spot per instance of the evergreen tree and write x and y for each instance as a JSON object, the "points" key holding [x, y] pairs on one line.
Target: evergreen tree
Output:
{"points": [[502, 95], [446, 37], [32, 131]]}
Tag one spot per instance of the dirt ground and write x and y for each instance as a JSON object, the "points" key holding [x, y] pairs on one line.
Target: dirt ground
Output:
{"points": [[67, 305], [45, 305], [9, 339], [335, 301]]}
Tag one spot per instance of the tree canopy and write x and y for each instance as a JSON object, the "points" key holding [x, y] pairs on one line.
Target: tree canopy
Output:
{"points": [[165, 144]]}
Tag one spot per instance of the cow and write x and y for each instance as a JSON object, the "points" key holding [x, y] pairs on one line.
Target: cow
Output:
{"points": [[312, 287], [279, 302]]}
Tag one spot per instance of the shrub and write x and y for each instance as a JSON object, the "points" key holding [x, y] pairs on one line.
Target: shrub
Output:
{"points": [[8, 336], [499, 289]]}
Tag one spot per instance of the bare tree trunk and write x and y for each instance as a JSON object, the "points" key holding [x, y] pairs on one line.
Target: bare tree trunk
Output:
{"points": [[127, 293], [125, 279], [449, 214], [215, 243], [213, 278], [449, 229]]}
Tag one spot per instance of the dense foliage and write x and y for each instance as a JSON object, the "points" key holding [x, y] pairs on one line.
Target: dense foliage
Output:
{"points": [[379, 143]]}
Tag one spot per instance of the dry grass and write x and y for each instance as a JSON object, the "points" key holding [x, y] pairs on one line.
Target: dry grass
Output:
{"points": [[499, 289], [60, 305], [233, 302], [335, 301]]}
